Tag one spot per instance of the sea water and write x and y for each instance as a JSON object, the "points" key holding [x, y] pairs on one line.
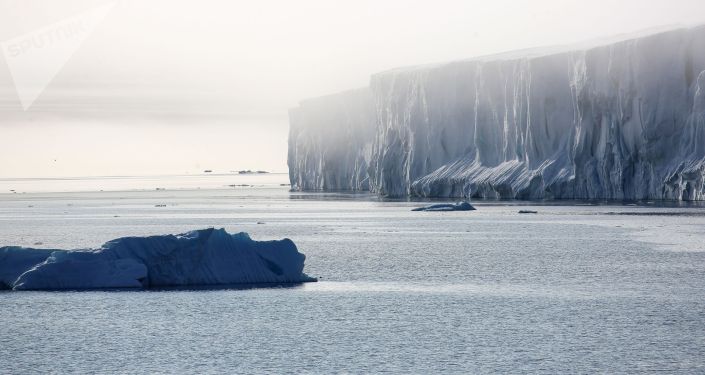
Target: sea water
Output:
{"points": [[578, 287]]}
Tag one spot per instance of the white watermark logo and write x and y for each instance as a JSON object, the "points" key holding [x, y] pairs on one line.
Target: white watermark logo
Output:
{"points": [[35, 58]]}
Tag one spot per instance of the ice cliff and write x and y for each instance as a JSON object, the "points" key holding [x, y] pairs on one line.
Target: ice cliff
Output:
{"points": [[202, 257], [329, 142], [614, 120]]}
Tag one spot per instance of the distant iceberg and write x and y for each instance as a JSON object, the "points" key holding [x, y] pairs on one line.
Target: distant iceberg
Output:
{"points": [[460, 206], [201, 257]]}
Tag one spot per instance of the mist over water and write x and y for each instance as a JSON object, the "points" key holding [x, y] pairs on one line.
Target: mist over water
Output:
{"points": [[135, 77]]}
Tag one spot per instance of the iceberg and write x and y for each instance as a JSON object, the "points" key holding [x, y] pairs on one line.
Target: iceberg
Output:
{"points": [[460, 206], [201, 257], [617, 119]]}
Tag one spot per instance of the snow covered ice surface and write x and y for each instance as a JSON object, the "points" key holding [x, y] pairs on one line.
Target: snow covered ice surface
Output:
{"points": [[460, 206], [201, 257], [612, 120]]}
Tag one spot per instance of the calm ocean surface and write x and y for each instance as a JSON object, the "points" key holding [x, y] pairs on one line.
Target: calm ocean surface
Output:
{"points": [[576, 288]]}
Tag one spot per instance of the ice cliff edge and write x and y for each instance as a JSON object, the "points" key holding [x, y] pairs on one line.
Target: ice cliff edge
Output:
{"points": [[201, 257], [618, 120]]}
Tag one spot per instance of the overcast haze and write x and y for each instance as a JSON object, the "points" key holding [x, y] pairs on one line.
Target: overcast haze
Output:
{"points": [[163, 87]]}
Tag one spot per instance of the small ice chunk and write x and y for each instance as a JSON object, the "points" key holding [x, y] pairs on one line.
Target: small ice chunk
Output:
{"points": [[460, 206]]}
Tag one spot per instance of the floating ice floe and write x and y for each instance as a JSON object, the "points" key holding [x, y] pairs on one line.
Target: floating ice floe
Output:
{"points": [[201, 257], [460, 206]]}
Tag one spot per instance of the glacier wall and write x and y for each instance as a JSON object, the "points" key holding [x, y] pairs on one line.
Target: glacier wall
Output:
{"points": [[622, 120], [329, 146]]}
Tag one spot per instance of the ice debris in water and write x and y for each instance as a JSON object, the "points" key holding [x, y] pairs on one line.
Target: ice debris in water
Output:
{"points": [[460, 206]]}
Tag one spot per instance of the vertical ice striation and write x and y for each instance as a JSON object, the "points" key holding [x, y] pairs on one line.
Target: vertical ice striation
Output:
{"points": [[623, 120], [330, 142]]}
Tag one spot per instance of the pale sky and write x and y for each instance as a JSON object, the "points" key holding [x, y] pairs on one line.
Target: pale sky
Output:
{"points": [[175, 86]]}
